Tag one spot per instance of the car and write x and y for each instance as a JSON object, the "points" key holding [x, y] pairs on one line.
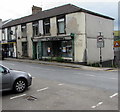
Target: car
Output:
{"points": [[14, 80]]}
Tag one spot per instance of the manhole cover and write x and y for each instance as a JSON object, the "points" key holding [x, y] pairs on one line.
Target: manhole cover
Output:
{"points": [[31, 98]]}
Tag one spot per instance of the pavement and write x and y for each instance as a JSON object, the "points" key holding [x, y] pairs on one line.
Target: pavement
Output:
{"points": [[72, 65]]}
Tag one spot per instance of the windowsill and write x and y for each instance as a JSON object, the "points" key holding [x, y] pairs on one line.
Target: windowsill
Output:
{"points": [[48, 34]]}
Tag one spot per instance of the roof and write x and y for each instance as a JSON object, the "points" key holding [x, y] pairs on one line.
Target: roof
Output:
{"points": [[65, 9], [6, 21]]}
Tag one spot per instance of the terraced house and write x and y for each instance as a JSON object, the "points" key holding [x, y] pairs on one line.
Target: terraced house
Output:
{"points": [[67, 31]]}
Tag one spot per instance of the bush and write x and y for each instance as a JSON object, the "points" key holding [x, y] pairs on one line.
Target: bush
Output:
{"points": [[59, 59]]}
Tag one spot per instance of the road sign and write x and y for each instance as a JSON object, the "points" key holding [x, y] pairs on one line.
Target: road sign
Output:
{"points": [[100, 42], [117, 43]]}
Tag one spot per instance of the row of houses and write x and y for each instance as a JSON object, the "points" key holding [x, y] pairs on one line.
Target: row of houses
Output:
{"points": [[67, 31]]}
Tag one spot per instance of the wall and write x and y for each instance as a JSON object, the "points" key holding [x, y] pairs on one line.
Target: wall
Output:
{"points": [[75, 23], [0, 29], [94, 25], [19, 44], [29, 36], [53, 26], [41, 27]]}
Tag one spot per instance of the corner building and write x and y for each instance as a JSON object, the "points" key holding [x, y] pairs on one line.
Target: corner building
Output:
{"points": [[67, 31]]}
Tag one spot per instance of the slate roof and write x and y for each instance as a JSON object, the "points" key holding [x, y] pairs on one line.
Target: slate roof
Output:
{"points": [[65, 9]]}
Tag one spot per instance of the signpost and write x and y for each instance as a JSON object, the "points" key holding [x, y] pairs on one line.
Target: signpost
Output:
{"points": [[100, 44]]}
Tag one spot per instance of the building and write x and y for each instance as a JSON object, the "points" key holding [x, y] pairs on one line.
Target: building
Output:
{"points": [[67, 31]]}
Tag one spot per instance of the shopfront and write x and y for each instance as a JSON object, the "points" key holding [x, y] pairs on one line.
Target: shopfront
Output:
{"points": [[56, 47], [9, 48]]}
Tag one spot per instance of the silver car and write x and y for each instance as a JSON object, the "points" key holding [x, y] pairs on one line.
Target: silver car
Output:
{"points": [[14, 80]]}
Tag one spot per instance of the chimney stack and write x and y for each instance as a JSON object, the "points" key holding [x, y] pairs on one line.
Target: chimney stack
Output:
{"points": [[36, 9]]}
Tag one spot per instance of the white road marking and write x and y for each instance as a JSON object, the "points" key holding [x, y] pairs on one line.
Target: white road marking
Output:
{"points": [[96, 76], [114, 78], [114, 95], [90, 75], [60, 84], [17, 96], [42, 89], [93, 107], [33, 77], [100, 103]]}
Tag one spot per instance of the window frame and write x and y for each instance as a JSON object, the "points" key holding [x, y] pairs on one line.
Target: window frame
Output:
{"points": [[9, 37], [59, 18], [23, 26], [35, 25], [46, 23]]}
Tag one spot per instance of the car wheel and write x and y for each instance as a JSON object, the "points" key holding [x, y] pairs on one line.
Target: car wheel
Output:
{"points": [[20, 85]]}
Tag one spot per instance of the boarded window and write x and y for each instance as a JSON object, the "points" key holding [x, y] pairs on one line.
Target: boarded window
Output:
{"points": [[35, 29], [46, 26]]}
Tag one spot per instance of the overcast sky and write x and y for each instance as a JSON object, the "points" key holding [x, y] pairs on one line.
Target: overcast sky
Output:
{"points": [[19, 8]]}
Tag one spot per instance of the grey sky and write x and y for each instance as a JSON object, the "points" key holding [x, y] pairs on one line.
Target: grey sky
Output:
{"points": [[18, 8]]}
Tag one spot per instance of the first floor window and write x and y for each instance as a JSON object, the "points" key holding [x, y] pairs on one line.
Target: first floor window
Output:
{"points": [[47, 26], [35, 29], [61, 24]]}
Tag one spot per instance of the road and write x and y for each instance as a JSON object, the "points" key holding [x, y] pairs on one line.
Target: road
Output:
{"points": [[63, 88]]}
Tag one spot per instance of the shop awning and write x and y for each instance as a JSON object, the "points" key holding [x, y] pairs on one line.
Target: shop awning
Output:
{"points": [[8, 42]]}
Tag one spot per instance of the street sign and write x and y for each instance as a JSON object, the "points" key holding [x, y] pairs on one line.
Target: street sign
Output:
{"points": [[100, 42], [117, 43]]}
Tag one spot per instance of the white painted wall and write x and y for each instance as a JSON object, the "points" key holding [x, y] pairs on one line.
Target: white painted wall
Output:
{"points": [[6, 38], [94, 25], [41, 27], [75, 23], [0, 29], [53, 26], [19, 44], [29, 36]]}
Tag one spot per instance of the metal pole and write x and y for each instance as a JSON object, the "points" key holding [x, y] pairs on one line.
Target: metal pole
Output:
{"points": [[100, 57]]}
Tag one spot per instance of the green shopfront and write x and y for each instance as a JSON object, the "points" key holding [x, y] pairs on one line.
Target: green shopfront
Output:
{"points": [[55, 47]]}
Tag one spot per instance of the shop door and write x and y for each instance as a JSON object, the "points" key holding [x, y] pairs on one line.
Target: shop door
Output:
{"points": [[35, 50], [56, 48]]}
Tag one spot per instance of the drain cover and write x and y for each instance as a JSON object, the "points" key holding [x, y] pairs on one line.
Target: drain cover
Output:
{"points": [[31, 98]]}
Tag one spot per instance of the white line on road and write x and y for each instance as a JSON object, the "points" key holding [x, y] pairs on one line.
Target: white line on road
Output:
{"points": [[33, 77], [42, 89], [17, 96], [93, 107], [60, 84], [114, 95], [100, 103], [90, 75], [97, 76]]}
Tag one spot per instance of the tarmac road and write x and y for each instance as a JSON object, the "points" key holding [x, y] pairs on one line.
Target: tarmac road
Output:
{"points": [[63, 88]]}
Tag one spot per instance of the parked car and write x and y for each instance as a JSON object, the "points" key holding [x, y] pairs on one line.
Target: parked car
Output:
{"points": [[14, 80]]}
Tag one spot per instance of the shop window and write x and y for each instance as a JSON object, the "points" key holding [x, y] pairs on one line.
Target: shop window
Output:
{"points": [[61, 24], [46, 26], [47, 46], [24, 30], [67, 50], [35, 29]]}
